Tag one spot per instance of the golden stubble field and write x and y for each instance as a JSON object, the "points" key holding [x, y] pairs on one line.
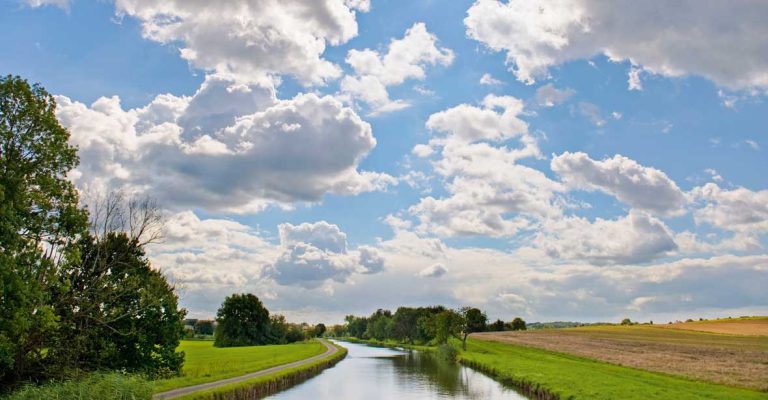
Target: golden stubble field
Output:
{"points": [[731, 352]]}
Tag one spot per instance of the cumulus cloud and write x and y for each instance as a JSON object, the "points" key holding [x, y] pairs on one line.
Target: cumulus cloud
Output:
{"points": [[433, 271], [488, 192], [405, 59], [633, 79], [251, 40], [640, 187], [721, 41], [636, 238], [229, 147], [313, 254], [738, 210], [550, 96]]}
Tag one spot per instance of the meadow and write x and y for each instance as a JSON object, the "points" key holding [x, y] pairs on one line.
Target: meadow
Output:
{"points": [[729, 359], [205, 363]]}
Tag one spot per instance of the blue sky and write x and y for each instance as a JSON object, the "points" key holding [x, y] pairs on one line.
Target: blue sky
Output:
{"points": [[663, 181]]}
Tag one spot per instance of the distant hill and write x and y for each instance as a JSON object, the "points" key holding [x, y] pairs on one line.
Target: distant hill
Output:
{"points": [[562, 324]]}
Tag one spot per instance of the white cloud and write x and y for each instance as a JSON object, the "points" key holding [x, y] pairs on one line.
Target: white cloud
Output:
{"points": [[752, 144], [721, 41], [738, 210], [488, 192], [250, 40], [314, 254], [228, 147], [433, 271], [592, 113], [489, 80], [636, 238], [550, 96], [405, 59], [633, 80], [63, 4], [641, 187]]}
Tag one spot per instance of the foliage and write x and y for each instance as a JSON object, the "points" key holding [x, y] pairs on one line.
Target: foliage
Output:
{"points": [[380, 325], [518, 324], [497, 326], [117, 312], [96, 386], [72, 299], [242, 320], [447, 352], [38, 218], [319, 330], [626, 321], [203, 327]]}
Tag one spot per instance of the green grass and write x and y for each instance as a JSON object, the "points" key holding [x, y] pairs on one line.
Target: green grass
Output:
{"points": [[210, 393], [205, 363], [95, 386], [389, 343], [580, 378]]}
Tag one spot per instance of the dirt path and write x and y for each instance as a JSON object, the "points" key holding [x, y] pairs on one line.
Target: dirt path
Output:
{"points": [[330, 349]]}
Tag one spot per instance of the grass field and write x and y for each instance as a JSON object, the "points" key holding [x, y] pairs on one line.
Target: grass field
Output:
{"points": [[736, 360], [205, 363], [569, 376]]}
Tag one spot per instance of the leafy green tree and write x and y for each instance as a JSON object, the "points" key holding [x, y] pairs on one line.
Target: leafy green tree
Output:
{"points": [[447, 324], [626, 321], [319, 330], [39, 216], [497, 326], [242, 320], [380, 325], [116, 311], [405, 324], [295, 333], [356, 326], [518, 324]]}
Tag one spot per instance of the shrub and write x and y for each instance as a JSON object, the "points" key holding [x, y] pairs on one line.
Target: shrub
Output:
{"points": [[95, 386], [447, 352]]}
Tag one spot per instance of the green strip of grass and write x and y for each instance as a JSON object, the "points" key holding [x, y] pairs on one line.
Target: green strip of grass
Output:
{"points": [[95, 386], [205, 363], [571, 377], [271, 381]]}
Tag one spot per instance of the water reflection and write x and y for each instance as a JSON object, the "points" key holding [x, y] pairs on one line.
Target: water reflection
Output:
{"points": [[378, 373]]}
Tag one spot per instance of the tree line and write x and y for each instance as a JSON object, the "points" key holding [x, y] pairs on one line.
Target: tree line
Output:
{"points": [[77, 290], [422, 325]]}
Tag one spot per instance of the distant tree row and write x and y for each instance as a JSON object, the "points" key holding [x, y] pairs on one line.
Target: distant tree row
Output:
{"points": [[242, 320], [421, 325]]}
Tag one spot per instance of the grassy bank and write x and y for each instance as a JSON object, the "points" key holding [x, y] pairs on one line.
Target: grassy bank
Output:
{"points": [[269, 384], [95, 386], [550, 375], [205, 363]]}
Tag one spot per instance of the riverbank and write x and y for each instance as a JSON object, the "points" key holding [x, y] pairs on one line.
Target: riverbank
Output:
{"points": [[391, 344], [548, 375], [262, 383]]}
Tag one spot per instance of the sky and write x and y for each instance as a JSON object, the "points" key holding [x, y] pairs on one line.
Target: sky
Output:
{"points": [[552, 159]]}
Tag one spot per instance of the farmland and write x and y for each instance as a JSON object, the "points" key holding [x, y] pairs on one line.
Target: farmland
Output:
{"points": [[205, 363], [728, 359]]}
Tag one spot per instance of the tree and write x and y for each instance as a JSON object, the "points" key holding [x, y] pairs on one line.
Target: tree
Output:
{"points": [[204, 327], [39, 217], [242, 321], [518, 324], [446, 324], [116, 311], [474, 320], [380, 325], [405, 324], [497, 326], [626, 321], [319, 330]]}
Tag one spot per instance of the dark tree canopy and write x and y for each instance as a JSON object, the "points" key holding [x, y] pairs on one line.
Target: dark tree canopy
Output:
{"points": [[518, 324], [38, 210], [497, 326], [242, 320]]}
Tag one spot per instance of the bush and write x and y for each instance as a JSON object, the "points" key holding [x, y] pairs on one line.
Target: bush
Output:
{"points": [[447, 352], [96, 386]]}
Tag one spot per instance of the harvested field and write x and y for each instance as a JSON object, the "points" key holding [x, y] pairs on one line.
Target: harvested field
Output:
{"points": [[726, 359], [747, 326]]}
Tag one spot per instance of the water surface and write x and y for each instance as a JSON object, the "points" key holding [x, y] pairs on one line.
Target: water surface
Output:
{"points": [[378, 373]]}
